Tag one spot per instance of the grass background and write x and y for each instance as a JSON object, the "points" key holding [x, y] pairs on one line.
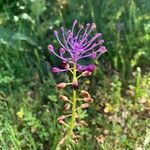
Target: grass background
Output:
{"points": [[29, 104]]}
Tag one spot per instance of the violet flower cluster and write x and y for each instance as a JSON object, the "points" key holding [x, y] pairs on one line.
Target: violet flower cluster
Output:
{"points": [[78, 45]]}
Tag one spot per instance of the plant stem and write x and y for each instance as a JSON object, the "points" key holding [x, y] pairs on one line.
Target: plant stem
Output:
{"points": [[74, 99]]}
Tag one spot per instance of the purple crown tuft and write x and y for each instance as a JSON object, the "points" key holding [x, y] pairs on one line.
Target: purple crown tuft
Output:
{"points": [[78, 45]]}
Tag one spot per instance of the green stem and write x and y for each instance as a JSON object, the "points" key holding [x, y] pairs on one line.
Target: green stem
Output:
{"points": [[74, 99]]}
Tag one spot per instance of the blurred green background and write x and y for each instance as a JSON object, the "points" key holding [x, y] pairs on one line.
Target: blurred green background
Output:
{"points": [[29, 104]]}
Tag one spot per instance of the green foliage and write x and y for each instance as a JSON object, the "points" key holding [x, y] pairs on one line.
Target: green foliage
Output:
{"points": [[29, 105]]}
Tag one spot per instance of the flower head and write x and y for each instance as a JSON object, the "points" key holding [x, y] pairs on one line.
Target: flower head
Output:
{"points": [[78, 45]]}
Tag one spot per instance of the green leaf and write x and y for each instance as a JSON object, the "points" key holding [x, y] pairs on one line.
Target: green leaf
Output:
{"points": [[23, 37], [37, 8]]}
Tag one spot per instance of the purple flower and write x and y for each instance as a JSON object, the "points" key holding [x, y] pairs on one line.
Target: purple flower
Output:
{"points": [[90, 68], [78, 45]]}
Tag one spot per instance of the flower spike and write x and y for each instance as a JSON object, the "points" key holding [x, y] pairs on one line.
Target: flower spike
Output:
{"points": [[75, 46]]}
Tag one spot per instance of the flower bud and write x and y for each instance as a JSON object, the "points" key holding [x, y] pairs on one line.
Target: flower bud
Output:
{"points": [[102, 49], [62, 51], [86, 73], [67, 107], [56, 33], [87, 24], [55, 70], [88, 99], [77, 116], [62, 29], [51, 48], [61, 118], [64, 98], [98, 34], [101, 41], [85, 105], [75, 22], [76, 137], [62, 141], [68, 32], [83, 123], [85, 93], [61, 122], [93, 25], [61, 85], [65, 65], [75, 85]]}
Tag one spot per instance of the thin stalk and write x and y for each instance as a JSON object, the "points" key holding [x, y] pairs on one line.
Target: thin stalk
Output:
{"points": [[74, 99], [73, 115]]}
